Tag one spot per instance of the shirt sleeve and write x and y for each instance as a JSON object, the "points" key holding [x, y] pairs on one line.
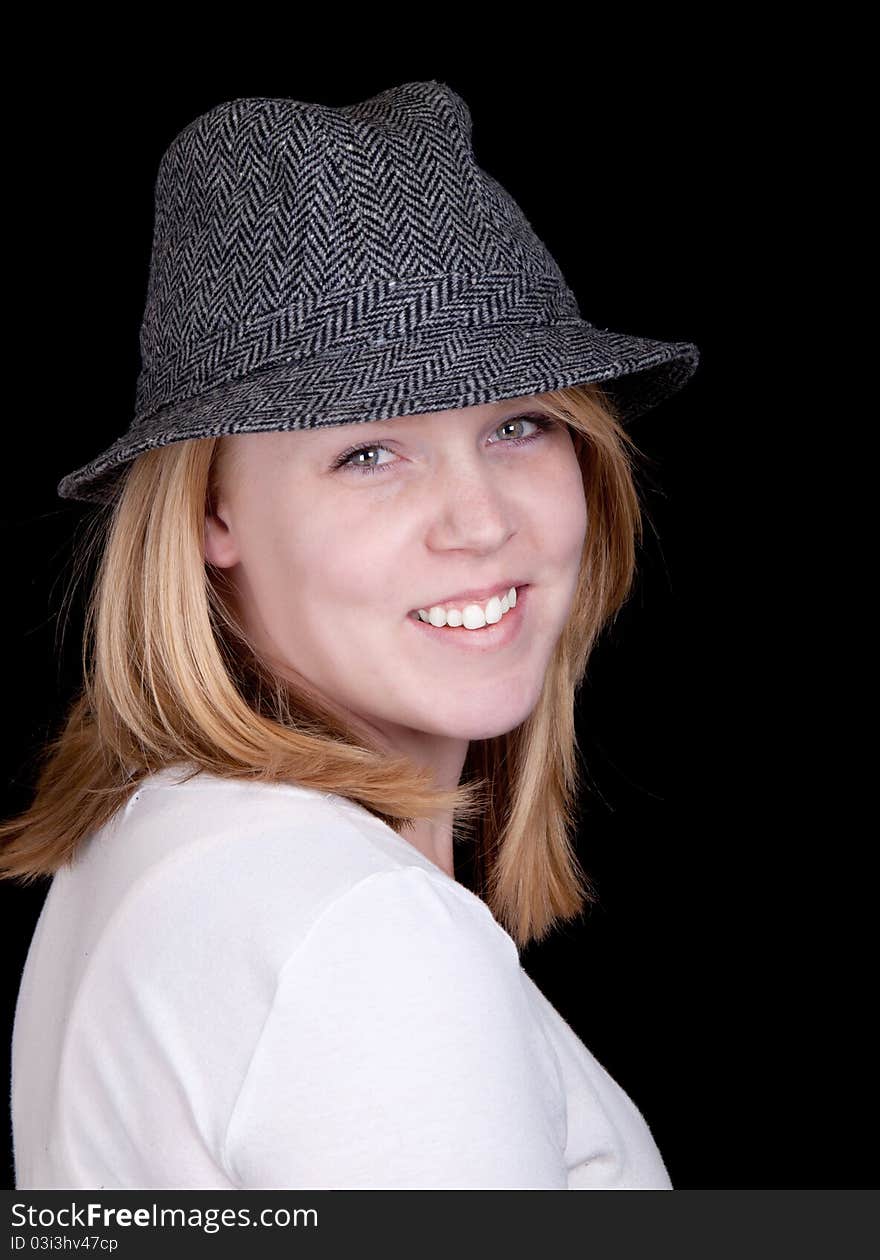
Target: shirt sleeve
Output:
{"points": [[401, 1052]]}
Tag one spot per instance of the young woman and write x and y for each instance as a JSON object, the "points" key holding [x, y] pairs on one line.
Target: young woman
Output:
{"points": [[374, 510]]}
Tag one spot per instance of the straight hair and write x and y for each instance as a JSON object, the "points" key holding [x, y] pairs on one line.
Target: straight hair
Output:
{"points": [[169, 677]]}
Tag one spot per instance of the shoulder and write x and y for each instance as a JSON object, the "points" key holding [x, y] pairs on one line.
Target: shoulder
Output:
{"points": [[197, 902], [407, 954], [442, 1077], [220, 865], [407, 916], [404, 960]]}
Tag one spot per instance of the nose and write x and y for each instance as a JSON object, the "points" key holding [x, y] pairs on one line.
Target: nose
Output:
{"points": [[469, 506]]}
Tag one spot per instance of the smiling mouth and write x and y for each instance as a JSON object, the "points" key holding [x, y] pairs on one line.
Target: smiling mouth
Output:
{"points": [[475, 595], [474, 620], [471, 613]]}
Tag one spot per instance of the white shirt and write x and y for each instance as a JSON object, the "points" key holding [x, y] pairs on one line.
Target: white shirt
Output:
{"points": [[259, 986]]}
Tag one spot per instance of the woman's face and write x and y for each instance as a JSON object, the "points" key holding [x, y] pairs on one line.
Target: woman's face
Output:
{"points": [[329, 562]]}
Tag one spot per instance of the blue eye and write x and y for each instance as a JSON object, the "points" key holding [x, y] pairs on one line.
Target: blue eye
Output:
{"points": [[543, 423]]}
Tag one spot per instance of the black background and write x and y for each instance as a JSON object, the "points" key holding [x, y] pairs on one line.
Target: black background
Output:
{"points": [[721, 980]]}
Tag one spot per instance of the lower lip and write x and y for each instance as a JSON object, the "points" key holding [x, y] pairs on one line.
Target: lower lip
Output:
{"points": [[487, 638]]}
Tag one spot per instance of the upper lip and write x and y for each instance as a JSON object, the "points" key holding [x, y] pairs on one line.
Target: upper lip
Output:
{"points": [[474, 596]]}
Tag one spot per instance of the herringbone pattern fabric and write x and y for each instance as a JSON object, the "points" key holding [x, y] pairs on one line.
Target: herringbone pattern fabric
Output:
{"points": [[315, 265]]}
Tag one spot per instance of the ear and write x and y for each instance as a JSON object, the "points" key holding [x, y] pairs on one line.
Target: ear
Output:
{"points": [[220, 545]]}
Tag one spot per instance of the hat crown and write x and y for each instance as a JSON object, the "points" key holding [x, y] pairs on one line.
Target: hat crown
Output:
{"points": [[315, 265], [281, 225]]}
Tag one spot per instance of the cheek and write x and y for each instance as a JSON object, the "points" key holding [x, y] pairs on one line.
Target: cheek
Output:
{"points": [[563, 507], [326, 561], [280, 554]]}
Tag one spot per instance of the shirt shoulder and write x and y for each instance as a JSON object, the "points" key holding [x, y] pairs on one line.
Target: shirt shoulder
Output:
{"points": [[226, 862], [400, 1051], [167, 940]]}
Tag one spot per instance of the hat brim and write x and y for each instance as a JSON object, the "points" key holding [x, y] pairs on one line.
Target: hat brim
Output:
{"points": [[425, 372]]}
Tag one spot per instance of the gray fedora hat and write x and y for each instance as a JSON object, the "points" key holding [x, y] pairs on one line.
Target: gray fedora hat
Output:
{"points": [[315, 265]]}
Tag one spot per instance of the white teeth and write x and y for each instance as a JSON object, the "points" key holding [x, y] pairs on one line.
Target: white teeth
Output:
{"points": [[472, 616]]}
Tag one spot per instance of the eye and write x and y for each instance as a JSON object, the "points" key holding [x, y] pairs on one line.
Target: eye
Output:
{"points": [[542, 422]]}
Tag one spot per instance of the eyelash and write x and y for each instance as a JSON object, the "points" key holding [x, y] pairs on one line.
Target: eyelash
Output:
{"points": [[543, 422]]}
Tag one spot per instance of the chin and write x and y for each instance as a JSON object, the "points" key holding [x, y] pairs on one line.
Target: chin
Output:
{"points": [[465, 723]]}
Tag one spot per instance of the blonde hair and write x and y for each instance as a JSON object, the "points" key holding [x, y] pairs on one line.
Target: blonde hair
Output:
{"points": [[169, 677]]}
